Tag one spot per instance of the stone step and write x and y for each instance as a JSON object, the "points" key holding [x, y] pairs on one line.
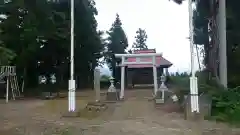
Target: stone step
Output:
{"points": [[112, 96]]}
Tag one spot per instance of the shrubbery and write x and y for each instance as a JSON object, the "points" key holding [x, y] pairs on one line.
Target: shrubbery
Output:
{"points": [[104, 81], [225, 103]]}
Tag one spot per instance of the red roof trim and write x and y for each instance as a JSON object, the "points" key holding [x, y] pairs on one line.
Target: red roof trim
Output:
{"points": [[145, 51], [159, 60]]}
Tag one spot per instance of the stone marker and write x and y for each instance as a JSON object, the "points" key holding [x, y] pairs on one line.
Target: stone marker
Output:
{"points": [[205, 105], [97, 84]]}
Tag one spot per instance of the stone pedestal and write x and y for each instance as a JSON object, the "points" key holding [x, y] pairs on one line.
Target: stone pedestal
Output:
{"points": [[96, 106], [194, 116], [112, 96], [62, 95], [167, 95], [158, 101], [204, 107], [47, 96], [169, 104]]}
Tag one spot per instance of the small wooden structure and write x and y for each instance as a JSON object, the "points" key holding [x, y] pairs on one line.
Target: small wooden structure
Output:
{"points": [[142, 74], [9, 78], [141, 66]]}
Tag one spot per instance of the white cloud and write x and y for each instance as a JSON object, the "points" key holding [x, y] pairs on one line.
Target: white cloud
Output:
{"points": [[166, 24]]}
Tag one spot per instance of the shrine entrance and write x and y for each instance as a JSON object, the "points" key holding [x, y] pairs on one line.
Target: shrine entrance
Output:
{"points": [[141, 75], [146, 59]]}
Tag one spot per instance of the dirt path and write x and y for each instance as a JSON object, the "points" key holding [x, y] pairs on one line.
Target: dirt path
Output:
{"points": [[135, 116]]}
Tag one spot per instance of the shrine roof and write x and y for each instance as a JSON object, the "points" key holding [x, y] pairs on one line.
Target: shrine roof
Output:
{"points": [[160, 61]]}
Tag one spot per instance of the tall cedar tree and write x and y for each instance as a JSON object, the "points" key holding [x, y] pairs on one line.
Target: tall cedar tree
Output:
{"points": [[140, 40], [117, 43]]}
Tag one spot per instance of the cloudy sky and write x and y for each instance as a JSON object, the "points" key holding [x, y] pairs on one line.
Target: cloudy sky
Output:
{"points": [[166, 24]]}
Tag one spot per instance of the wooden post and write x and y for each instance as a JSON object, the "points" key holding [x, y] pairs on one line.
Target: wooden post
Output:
{"points": [[7, 89]]}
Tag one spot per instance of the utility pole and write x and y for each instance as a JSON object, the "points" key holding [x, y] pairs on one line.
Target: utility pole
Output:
{"points": [[222, 42]]}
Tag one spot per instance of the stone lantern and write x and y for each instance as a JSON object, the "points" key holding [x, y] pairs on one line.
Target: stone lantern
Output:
{"points": [[42, 79], [160, 96], [111, 87], [48, 86], [53, 79], [163, 80], [53, 85], [112, 94]]}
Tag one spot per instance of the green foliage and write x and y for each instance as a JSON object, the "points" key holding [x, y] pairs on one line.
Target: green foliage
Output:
{"points": [[141, 39], [200, 23], [225, 103], [181, 82], [117, 44], [117, 38], [38, 34], [6, 56], [104, 78], [180, 79]]}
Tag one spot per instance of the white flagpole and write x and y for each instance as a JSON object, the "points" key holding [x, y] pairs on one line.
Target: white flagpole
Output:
{"points": [[71, 93]]}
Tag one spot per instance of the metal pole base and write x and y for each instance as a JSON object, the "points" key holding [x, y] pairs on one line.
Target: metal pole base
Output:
{"points": [[71, 95], [194, 94]]}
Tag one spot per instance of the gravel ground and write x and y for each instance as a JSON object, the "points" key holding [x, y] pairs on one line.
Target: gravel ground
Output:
{"points": [[134, 116]]}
